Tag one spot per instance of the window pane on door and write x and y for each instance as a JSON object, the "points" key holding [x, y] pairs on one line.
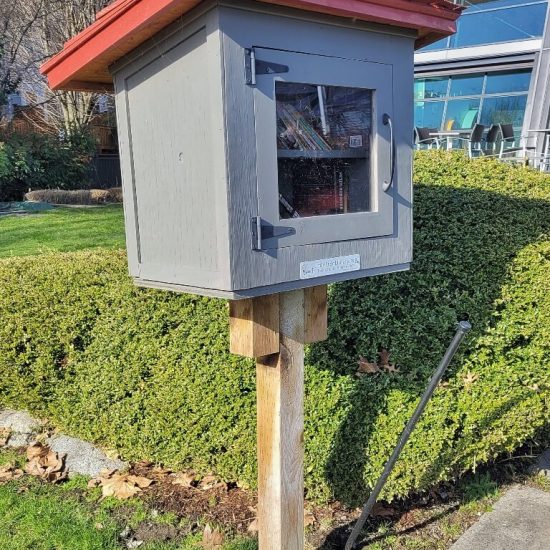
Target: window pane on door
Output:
{"points": [[504, 110], [323, 142], [461, 114], [428, 114]]}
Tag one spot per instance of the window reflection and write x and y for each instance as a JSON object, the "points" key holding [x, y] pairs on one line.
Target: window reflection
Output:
{"points": [[461, 114], [428, 114], [466, 85], [491, 22], [512, 81], [504, 110], [492, 98], [323, 146], [429, 88]]}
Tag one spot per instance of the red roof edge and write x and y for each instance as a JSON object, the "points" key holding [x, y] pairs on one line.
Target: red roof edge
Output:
{"points": [[120, 27]]}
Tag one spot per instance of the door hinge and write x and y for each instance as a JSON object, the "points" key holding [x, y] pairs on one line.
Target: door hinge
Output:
{"points": [[254, 66], [260, 231]]}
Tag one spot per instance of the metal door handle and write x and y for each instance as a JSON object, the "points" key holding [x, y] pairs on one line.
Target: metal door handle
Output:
{"points": [[387, 121]]}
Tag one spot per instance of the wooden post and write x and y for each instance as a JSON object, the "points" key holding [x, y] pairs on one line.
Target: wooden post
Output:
{"points": [[301, 318]]}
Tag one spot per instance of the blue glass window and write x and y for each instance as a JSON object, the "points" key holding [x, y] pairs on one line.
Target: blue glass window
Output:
{"points": [[488, 98], [430, 88], [499, 25], [462, 85], [491, 22], [504, 110], [461, 114], [511, 81], [428, 114], [442, 44]]}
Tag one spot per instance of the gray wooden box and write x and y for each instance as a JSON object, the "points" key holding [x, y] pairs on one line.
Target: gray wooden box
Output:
{"points": [[219, 119]]}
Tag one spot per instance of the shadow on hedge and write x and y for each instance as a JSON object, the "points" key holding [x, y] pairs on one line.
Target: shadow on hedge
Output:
{"points": [[465, 241]]}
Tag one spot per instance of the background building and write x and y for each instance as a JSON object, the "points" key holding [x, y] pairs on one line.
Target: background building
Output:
{"points": [[495, 69]]}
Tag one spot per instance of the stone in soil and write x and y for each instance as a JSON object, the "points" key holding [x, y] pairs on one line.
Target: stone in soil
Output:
{"points": [[82, 457], [22, 425]]}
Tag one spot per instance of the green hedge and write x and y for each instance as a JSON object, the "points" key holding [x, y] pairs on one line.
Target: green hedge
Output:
{"points": [[148, 372]]}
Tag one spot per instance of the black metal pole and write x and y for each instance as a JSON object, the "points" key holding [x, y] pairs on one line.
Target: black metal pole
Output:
{"points": [[463, 328]]}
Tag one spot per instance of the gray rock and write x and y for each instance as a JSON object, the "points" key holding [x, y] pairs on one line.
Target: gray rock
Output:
{"points": [[22, 425], [542, 466], [519, 520], [83, 458]]}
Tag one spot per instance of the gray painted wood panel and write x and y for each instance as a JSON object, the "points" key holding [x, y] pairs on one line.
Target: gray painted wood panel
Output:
{"points": [[190, 158], [174, 120], [245, 30]]}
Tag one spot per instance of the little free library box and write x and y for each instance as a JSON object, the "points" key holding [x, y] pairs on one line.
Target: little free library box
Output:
{"points": [[265, 146], [266, 151]]}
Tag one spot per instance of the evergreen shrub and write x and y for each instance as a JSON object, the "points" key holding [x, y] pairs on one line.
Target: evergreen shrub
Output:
{"points": [[149, 373], [44, 161]]}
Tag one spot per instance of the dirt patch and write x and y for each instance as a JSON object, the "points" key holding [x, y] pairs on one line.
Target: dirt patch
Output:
{"points": [[156, 532], [223, 504]]}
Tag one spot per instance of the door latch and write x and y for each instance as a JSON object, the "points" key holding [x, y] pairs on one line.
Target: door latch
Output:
{"points": [[254, 66], [261, 231]]}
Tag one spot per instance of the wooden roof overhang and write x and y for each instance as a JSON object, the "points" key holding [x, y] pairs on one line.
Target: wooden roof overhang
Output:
{"points": [[84, 62]]}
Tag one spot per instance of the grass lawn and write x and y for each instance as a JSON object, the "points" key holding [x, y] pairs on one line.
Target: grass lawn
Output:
{"points": [[72, 516], [63, 229]]}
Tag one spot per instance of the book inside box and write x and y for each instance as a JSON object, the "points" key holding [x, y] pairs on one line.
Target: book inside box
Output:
{"points": [[323, 141]]}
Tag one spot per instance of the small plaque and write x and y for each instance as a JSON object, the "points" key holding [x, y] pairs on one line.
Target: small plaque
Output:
{"points": [[330, 266], [356, 141]]}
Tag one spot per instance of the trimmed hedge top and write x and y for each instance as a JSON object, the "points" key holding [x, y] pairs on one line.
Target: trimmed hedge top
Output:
{"points": [[149, 373]]}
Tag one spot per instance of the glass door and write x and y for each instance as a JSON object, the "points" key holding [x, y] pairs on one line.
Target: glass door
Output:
{"points": [[324, 153]]}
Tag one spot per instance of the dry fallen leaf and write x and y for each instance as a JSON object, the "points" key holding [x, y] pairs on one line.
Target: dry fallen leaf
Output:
{"points": [[158, 473], [470, 378], [8, 472], [366, 367], [309, 518], [384, 357], [391, 368], [45, 463], [212, 539], [5, 434], [121, 486], [253, 527], [184, 479], [384, 361], [211, 482]]}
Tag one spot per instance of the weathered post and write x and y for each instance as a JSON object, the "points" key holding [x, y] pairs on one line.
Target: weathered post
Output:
{"points": [[292, 319]]}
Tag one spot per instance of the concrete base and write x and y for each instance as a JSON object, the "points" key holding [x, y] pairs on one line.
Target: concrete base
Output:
{"points": [[519, 520]]}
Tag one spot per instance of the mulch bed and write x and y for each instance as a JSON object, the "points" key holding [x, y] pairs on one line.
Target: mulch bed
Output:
{"points": [[223, 504]]}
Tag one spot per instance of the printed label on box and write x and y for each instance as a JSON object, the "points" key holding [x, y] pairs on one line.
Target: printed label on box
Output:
{"points": [[330, 266], [356, 141]]}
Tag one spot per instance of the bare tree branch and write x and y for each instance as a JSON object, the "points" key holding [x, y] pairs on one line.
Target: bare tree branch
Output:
{"points": [[34, 30]]}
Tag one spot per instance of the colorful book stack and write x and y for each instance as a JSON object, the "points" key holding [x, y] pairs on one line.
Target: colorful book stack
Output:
{"points": [[297, 130]]}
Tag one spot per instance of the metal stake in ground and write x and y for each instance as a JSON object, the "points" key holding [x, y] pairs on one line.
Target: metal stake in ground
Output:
{"points": [[463, 328]]}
